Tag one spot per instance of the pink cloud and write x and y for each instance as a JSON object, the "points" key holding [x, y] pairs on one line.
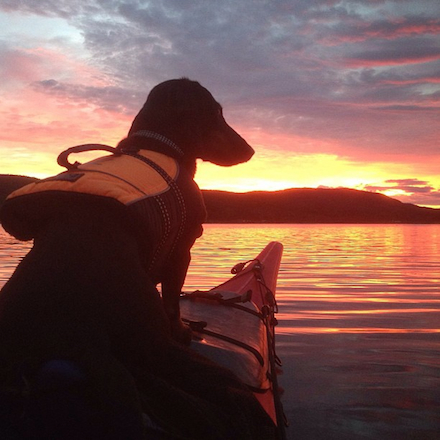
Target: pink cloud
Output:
{"points": [[43, 122], [19, 66], [357, 30], [390, 56], [391, 61], [402, 81]]}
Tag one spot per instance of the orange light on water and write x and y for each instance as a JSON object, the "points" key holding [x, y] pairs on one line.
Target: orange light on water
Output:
{"points": [[355, 330], [369, 312]]}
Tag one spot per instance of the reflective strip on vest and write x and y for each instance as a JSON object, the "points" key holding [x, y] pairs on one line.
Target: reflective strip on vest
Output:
{"points": [[123, 178]]}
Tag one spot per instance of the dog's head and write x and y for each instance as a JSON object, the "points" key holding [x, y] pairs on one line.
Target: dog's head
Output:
{"points": [[187, 113]]}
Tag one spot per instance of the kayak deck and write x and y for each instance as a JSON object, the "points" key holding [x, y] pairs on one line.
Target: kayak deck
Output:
{"points": [[233, 325]]}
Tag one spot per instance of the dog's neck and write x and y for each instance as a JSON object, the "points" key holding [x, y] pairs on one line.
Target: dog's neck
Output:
{"points": [[150, 140], [177, 152]]}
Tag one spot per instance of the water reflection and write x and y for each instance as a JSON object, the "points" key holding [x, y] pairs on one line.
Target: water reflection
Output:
{"points": [[331, 275], [336, 277]]}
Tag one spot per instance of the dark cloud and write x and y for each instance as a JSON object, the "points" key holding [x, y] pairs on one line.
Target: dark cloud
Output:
{"points": [[408, 182], [55, 8], [113, 99], [402, 51], [312, 68], [429, 199], [416, 191], [358, 29], [413, 190]]}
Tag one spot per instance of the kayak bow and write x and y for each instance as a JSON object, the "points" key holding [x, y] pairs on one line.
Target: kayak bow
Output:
{"points": [[234, 325]]}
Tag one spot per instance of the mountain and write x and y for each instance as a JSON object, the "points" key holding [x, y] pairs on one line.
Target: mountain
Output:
{"points": [[309, 205], [9, 183], [302, 205]]}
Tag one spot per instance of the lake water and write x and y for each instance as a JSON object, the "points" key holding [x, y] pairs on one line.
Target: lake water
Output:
{"points": [[359, 331]]}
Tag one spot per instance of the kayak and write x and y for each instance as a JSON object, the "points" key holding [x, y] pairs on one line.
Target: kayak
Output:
{"points": [[234, 325]]}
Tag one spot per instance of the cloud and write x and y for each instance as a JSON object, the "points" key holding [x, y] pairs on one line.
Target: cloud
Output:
{"points": [[406, 185], [112, 99], [358, 29], [403, 51], [360, 79], [411, 190], [51, 8], [431, 199], [17, 66]]}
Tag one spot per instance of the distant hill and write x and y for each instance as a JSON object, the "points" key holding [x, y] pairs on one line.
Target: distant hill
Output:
{"points": [[302, 205], [309, 205], [9, 183]]}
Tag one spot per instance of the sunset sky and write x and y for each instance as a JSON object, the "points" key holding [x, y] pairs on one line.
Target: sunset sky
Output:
{"points": [[329, 93]]}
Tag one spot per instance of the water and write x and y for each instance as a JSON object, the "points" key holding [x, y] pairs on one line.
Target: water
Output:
{"points": [[359, 328]]}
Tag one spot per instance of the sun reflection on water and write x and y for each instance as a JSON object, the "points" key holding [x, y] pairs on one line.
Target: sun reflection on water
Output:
{"points": [[333, 278], [337, 278]]}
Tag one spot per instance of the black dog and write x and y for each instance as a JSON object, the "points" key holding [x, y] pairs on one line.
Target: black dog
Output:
{"points": [[182, 121], [105, 234]]}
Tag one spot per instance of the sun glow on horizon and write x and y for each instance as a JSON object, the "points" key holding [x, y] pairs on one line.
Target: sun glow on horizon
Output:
{"points": [[284, 172], [275, 171]]}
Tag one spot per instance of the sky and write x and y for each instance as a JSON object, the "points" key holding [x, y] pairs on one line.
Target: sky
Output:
{"points": [[329, 93]]}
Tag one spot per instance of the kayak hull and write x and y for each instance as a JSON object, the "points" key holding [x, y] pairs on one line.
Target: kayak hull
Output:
{"points": [[233, 325]]}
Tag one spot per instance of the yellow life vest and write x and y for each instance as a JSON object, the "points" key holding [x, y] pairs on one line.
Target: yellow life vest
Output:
{"points": [[122, 177]]}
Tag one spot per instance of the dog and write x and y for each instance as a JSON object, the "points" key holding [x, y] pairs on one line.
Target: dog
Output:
{"points": [[181, 120], [106, 233]]}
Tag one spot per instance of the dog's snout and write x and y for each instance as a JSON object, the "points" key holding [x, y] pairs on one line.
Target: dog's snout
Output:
{"points": [[244, 153], [250, 153]]}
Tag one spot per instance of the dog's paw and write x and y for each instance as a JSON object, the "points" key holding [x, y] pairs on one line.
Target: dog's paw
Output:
{"points": [[181, 332]]}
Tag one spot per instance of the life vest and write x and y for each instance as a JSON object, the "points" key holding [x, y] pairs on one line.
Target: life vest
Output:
{"points": [[124, 178], [161, 199]]}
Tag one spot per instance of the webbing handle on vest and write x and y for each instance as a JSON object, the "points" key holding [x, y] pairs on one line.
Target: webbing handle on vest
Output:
{"points": [[63, 157]]}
